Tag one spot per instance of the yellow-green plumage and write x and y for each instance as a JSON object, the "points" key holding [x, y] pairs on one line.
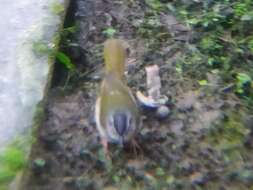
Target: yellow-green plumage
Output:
{"points": [[114, 57], [115, 97]]}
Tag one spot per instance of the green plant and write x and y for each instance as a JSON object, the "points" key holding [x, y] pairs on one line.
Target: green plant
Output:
{"points": [[110, 32], [210, 44], [14, 158], [250, 45], [160, 172], [41, 48], [6, 175], [65, 60], [203, 82], [242, 80], [71, 29], [240, 9], [56, 8], [155, 4]]}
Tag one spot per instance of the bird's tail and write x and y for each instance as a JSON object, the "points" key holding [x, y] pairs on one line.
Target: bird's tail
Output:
{"points": [[114, 57]]}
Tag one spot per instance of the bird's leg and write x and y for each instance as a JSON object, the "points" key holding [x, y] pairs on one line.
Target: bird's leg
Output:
{"points": [[105, 147], [136, 147]]}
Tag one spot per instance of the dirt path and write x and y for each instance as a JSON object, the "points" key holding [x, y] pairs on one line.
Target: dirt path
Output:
{"points": [[193, 148]]}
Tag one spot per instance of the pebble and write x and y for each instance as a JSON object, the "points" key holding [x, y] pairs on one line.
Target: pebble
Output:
{"points": [[50, 141], [38, 166], [100, 165], [85, 155], [198, 179], [248, 122], [139, 175], [162, 112], [79, 184]]}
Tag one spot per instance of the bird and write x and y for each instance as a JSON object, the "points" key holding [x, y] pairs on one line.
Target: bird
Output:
{"points": [[116, 111]]}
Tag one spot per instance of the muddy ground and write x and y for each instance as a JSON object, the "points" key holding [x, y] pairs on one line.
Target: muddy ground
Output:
{"points": [[204, 143]]}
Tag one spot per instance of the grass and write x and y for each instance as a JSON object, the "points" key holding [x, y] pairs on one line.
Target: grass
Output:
{"points": [[13, 159], [222, 34]]}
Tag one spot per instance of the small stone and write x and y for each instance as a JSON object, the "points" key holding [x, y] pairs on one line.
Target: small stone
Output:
{"points": [[38, 165], [100, 165], [176, 126], [248, 142], [228, 88], [139, 175], [246, 176], [85, 155], [145, 135], [131, 170], [39, 162], [159, 137], [49, 141], [160, 171], [187, 101], [79, 183], [186, 167], [248, 122], [85, 184], [96, 77], [198, 179], [233, 175], [162, 112]]}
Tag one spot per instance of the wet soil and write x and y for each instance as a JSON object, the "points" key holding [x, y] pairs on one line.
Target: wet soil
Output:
{"points": [[193, 148]]}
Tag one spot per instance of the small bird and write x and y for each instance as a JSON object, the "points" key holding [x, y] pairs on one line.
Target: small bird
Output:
{"points": [[116, 112]]}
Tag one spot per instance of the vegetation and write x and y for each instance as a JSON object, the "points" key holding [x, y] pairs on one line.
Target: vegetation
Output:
{"points": [[41, 48], [57, 8], [223, 36], [12, 160], [109, 32]]}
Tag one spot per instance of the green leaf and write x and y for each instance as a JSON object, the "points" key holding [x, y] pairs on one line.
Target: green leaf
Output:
{"points": [[242, 78], [203, 82], [13, 158], [65, 60], [159, 172], [6, 175], [210, 61], [179, 69], [170, 179], [154, 4], [57, 8], [4, 187], [71, 29], [41, 48], [116, 179], [109, 32]]}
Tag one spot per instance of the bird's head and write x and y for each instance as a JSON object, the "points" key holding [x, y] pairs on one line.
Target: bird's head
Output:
{"points": [[121, 126]]}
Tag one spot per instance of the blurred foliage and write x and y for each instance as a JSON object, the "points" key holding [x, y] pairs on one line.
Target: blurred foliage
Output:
{"points": [[65, 60], [222, 39], [41, 48], [56, 8], [12, 160], [110, 32], [223, 35]]}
